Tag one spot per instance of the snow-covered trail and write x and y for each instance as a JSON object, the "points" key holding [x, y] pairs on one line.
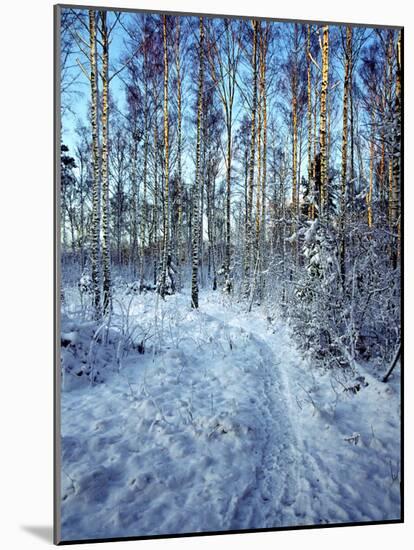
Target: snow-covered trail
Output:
{"points": [[221, 425], [312, 473], [274, 497]]}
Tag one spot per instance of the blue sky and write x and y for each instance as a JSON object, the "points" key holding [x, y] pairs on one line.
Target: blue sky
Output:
{"points": [[119, 48]]}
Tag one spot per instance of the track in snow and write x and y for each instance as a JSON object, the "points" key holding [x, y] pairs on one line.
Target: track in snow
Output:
{"points": [[211, 430], [276, 500]]}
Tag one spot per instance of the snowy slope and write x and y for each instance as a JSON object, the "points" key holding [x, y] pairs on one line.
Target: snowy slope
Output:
{"points": [[219, 425]]}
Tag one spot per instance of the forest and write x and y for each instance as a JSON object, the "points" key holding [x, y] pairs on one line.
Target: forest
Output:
{"points": [[230, 221]]}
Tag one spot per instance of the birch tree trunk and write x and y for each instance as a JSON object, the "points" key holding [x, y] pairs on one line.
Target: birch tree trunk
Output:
{"points": [[223, 55], [256, 252], [156, 200], [264, 160], [106, 245], [371, 173], [294, 84], [166, 191], [96, 187], [391, 212], [134, 205], [396, 161], [311, 182], [323, 125], [351, 189], [197, 184], [211, 220], [344, 151], [180, 247], [144, 216], [227, 256], [249, 205]]}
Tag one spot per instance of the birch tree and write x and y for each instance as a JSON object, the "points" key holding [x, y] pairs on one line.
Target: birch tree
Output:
{"points": [[223, 55], [344, 148], [96, 186], [179, 233], [197, 182], [248, 255], [323, 124], [166, 252], [106, 245]]}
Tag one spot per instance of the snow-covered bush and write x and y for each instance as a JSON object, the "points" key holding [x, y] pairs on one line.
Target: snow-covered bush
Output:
{"points": [[137, 287], [87, 351], [85, 284], [345, 314]]}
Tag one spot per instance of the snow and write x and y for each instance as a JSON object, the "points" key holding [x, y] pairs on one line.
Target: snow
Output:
{"points": [[213, 421]]}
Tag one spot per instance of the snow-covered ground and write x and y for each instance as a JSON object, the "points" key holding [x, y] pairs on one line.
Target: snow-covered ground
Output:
{"points": [[214, 422]]}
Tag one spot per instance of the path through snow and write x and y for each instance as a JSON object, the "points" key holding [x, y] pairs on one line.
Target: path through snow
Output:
{"points": [[222, 426]]}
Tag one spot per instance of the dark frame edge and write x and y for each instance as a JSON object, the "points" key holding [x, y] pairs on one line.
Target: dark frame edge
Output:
{"points": [[402, 222], [56, 277]]}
